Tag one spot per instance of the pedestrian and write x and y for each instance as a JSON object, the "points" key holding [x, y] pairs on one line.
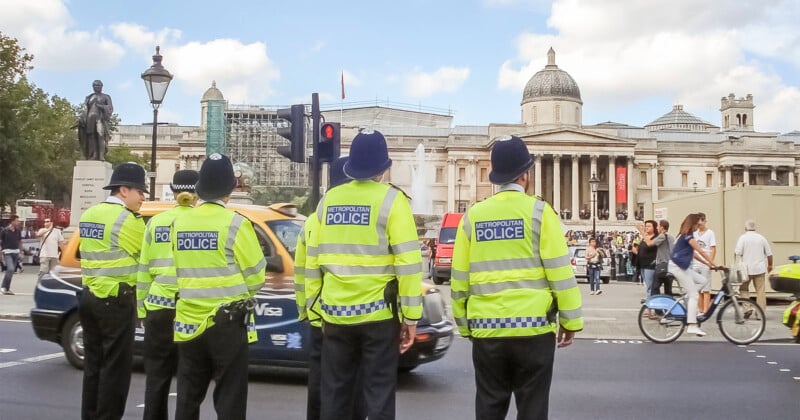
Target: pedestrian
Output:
{"points": [[685, 250], [10, 239], [155, 292], [308, 306], [664, 243], [367, 256], [646, 254], [594, 265], [511, 280], [220, 267], [708, 243], [52, 240], [111, 239], [755, 252]]}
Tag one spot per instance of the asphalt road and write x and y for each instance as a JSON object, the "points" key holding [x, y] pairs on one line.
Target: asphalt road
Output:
{"points": [[594, 379]]}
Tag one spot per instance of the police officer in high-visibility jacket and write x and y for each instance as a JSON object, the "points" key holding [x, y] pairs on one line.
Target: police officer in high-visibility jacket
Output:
{"points": [[155, 297], [308, 308], [511, 279], [367, 249], [111, 240], [220, 267]]}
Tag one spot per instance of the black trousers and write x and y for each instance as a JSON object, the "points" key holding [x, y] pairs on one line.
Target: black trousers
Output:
{"points": [[522, 366], [659, 280], [366, 351], [219, 353], [313, 407], [108, 333], [160, 362]]}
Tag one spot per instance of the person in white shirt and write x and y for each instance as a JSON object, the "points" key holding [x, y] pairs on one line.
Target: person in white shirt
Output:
{"points": [[708, 243], [48, 250], [753, 248]]}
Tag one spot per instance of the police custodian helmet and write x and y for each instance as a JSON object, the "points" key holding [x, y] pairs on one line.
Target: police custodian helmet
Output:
{"points": [[510, 159], [128, 175], [184, 180], [369, 156], [216, 178]]}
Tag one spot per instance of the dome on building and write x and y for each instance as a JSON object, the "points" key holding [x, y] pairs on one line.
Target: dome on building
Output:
{"points": [[551, 83], [678, 119], [213, 94]]}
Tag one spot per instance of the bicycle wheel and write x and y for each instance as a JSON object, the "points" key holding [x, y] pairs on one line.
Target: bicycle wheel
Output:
{"points": [[747, 328], [660, 327]]}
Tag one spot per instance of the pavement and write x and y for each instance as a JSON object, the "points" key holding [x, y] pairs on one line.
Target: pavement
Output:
{"points": [[610, 316]]}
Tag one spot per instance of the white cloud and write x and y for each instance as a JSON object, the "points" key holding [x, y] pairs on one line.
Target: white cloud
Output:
{"points": [[625, 51], [46, 29], [445, 79], [142, 41]]}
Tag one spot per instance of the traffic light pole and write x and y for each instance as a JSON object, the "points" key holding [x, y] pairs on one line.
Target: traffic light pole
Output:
{"points": [[314, 169]]}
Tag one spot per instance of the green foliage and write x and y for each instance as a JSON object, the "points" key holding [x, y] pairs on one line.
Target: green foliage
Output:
{"points": [[265, 196], [121, 154]]}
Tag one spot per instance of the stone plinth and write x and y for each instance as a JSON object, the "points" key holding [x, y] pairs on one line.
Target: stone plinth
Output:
{"points": [[88, 180], [241, 197]]}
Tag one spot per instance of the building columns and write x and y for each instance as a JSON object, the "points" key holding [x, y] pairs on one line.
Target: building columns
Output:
{"points": [[612, 188], [630, 188], [746, 175], [537, 174], [653, 183], [451, 193], [575, 187], [557, 183]]}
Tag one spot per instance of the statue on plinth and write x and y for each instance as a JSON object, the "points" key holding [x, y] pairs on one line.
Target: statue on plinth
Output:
{"points": [[94, 129]]}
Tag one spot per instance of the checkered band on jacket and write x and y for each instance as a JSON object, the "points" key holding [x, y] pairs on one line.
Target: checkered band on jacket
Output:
{"points": [[161, 301], [518, 322], [352, 310]]}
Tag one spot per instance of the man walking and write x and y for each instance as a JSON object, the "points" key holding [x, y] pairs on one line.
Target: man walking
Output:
{"points": [[753, 248], [511, 280], [111, 240], [48, 250], [10, 239], [367, 255]]}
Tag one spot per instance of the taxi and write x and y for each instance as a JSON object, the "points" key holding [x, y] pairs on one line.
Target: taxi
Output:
{"points": [[282, 339]]}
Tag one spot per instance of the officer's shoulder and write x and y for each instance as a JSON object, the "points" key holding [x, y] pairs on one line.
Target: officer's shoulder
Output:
{"points": [[546, 204], [399, 189], [246, 220]]}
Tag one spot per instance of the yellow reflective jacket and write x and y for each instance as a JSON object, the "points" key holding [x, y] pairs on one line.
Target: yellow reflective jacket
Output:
{"points": [[510, 260], [218, 260], [111, 239], [367, 238], [306, 289], [157, 282]]}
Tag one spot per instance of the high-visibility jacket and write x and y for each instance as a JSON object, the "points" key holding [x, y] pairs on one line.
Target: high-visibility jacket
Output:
{"points": [[157, 282], [306, 289], [367, 238], [111, 239], [218, 260], [510, 261]]}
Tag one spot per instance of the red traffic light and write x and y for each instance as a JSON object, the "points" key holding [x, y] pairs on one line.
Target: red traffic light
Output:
{"points": [[328, 131]]}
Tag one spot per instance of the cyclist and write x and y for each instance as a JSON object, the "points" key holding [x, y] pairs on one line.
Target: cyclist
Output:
{"points": [[680, 266]]}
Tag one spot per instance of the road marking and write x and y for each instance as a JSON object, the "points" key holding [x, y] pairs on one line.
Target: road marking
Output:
{"points": [[171, 394], [774, 344], [785, 370], [7, 350], [751, 351], [761, 356], [772, 363], [32, 360], [15, 320]]}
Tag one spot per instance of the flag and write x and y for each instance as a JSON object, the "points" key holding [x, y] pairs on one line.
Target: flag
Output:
{"points": [[342, 85]]}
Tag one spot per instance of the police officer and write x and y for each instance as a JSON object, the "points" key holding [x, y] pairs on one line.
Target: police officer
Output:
{"points": [[111, 239], [367, 248], [155, 291], [510, 274], [307, 297], [220, 267]]}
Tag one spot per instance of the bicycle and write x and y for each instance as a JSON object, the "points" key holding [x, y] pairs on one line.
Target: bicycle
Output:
{"points": [[662, 318]]}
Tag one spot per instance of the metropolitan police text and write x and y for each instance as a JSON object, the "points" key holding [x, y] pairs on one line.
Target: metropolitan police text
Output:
{"points": [[494, 230]]}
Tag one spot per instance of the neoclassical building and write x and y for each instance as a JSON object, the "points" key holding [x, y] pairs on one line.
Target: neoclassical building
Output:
{"points": [[677, 153]]}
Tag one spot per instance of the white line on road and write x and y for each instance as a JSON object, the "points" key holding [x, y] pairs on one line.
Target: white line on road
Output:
{"points": [[7, 350], [785, 370], [32, 360], [15, 320]]}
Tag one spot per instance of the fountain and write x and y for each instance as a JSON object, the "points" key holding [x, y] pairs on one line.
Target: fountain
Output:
{"points": [[420, 191]]}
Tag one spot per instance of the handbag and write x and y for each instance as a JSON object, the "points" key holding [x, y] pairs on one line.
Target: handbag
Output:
{"points": [[661, 269]]}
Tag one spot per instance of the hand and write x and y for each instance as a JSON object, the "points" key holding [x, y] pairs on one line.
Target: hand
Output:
{"points": [[407, 335], [564, 337]]}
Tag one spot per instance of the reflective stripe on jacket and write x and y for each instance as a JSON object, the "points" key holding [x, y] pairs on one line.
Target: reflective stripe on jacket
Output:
{"points": [[510, 260], [306, 288], [218, 260], [367, 238], [157, 281], [111, 239]]}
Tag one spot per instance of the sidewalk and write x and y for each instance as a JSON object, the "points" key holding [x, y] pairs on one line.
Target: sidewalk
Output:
{"points": [[18, 306]]}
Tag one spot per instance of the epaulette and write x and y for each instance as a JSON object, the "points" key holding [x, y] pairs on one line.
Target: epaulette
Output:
{"points": [[401, 190]]}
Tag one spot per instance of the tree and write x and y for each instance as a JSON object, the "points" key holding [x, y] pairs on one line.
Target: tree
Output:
{"points": [[122, 154]]}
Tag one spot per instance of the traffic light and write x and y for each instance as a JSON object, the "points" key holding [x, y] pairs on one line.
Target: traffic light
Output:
{"points": [[329, 142], [296, 133]]}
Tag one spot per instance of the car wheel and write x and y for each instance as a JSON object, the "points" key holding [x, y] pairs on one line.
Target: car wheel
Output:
{"points": [[72, 341]]}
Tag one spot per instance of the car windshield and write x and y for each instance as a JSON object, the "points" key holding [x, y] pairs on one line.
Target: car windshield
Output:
{"points": [[447, 235], [286, 231]]}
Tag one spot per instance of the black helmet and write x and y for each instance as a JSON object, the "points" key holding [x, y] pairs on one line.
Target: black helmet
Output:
{"points": [[216, 178], [337, 172], [369, 156], [510, 159], [128, 175], [184, 180]]}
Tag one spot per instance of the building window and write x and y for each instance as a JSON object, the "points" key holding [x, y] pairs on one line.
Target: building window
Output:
{"points": [[484, 175], [461, 207], [643, 178], [558, 113], [535, 116], [577, 115], [684, 179], [660, 178], [709, 179], [462, 174], [439, 175]]}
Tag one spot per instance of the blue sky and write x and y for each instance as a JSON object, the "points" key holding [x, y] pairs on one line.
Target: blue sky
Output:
{"points": [[632, 59]]}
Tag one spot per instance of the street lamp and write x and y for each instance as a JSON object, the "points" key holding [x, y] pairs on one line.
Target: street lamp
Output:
{"points": [[156, 81], [458, 196], [694, 184], [593, 184]]}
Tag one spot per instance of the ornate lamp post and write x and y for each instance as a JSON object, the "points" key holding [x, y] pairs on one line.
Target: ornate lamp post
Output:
{"points": [[593, 184], [156, 81]]}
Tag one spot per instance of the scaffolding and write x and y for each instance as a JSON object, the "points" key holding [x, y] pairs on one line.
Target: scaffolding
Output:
{"points": [[215, 127], [252, 138]]}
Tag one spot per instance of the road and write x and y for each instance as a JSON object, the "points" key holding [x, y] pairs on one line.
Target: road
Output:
{"points": [[594, 379]]}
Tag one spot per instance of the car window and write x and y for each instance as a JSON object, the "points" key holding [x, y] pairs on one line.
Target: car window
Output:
{"points": [[580, 253], [447, 235], [286, 231]]}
